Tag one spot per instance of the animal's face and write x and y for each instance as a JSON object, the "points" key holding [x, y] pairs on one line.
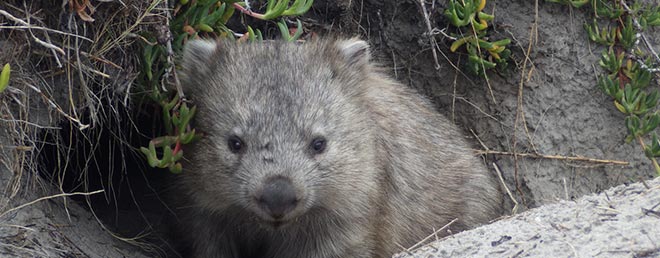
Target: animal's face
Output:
{"points": [[285, 130]]}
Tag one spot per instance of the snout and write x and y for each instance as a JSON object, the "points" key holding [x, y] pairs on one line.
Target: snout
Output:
{"points": [[278, 197]]}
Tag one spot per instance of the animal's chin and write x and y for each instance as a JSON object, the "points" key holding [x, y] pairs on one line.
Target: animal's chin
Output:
{"points": [[276, 224]]}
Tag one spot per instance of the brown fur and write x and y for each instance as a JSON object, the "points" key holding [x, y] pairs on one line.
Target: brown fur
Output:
{"points": [[392, 171]]}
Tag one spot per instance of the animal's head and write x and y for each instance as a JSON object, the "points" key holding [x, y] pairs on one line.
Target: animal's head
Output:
{"points": [[286, 133]]}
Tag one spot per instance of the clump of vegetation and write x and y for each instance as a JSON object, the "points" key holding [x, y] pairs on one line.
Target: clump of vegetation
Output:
{"points": [[468, 16], [196, 19], [628, 68]]}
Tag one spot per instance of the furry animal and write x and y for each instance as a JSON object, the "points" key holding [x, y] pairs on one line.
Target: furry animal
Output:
{"points": [[310, 151]]}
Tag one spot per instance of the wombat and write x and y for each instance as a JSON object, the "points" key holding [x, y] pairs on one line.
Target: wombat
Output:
{"points": [[310, 151]]}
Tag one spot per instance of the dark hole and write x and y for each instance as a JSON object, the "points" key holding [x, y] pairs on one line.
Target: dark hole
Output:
{"points": [[107, 157]]}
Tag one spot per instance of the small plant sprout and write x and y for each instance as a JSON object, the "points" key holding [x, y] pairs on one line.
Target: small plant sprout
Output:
{"points": [[254, 36], [277, 8], [4, 77], [574, 3], [605, 36], [650, 17], [610, 9], [195, 19], [286, 33], [468, 13]]}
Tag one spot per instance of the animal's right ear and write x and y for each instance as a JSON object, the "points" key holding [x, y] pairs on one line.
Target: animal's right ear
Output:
{"points": [[199, 50], [355, 52], [198, 57]]}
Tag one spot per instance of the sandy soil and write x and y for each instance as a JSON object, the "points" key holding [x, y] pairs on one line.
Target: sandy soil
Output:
{"points": [[621, 222]]}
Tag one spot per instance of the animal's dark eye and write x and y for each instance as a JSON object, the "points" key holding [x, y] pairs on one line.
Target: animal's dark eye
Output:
{"points": [[318, 145], [235, 144]]}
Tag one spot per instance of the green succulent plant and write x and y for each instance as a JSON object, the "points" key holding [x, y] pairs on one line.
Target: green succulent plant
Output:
{"points": [[482, 54]]}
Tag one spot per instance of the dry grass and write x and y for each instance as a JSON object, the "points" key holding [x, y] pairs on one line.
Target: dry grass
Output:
{"points": [[68, 70], [66, 66]]}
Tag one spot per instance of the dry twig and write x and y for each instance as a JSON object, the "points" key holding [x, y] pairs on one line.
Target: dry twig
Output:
{"points": [[47, 198], [434, 234], [39, 41], [519, 110], [556, 157], [499, 175]]}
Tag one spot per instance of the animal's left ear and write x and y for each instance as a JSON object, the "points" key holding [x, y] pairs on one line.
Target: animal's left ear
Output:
{"points": [[355, 52], [198, 53], [197, 59]]}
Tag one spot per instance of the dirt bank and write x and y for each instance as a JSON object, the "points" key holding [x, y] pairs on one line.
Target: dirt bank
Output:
{"points": [[564, 111]]}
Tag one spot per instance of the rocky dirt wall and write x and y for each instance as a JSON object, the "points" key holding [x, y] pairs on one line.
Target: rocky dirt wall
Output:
{"points": [[564, 111]]}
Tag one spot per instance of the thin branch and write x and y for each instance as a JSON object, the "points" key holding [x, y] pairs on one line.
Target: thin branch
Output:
{"points": [[499, 175], [248, 11], [52, 104], [22, 27], [29, 123], [483, 66], [170, 59], [39, 41], [556, 157], [47, 198], [435, 233], [430, 33]]}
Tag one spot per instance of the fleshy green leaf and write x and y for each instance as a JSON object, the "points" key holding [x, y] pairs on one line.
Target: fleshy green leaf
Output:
{"points": [[4, 77]]}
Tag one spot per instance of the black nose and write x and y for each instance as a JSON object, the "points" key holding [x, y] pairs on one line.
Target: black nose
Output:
{"points": [[278, 197]]}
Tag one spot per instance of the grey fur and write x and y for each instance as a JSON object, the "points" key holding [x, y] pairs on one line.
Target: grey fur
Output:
{"points": [[392, 172]]}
